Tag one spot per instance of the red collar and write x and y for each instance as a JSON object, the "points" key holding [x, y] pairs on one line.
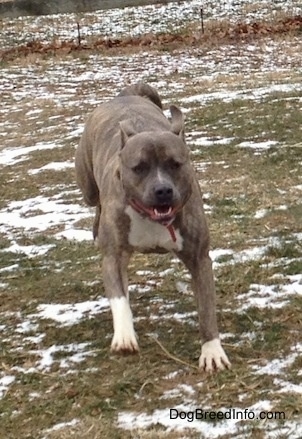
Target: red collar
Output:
{"points": [[171, 230]]}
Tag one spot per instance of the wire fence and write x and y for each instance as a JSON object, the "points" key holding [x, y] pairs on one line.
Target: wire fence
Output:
{"points": [[137, 20]]}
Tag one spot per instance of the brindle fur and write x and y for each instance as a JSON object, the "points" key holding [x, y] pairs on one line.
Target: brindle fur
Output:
{"points": [[119, 135]]}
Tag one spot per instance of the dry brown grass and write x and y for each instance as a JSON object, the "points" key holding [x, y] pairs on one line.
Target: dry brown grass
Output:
{"points": [[239, 182]]}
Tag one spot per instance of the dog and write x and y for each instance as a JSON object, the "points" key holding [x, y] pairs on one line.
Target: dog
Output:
{"points": [[133, 165]]}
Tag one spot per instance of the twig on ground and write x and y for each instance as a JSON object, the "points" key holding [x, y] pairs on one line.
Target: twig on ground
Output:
{"points": [[178, 360]]}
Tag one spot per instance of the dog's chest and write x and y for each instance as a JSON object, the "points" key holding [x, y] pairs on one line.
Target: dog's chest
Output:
{"points": [[147, 235]]}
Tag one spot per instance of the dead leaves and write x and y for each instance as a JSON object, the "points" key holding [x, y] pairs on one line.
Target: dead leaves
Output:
{"points": [[264, 28], [217, 33]]}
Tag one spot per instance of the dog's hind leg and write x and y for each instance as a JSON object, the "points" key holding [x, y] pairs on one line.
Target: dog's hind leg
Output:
{"points": [[116, 287]]}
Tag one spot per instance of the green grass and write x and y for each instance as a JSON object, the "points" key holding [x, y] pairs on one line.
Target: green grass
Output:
{"points": [[272, 117], [240, 182]]}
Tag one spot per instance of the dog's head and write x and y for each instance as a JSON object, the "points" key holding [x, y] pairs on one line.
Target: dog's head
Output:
{"points": [[155, 169]]}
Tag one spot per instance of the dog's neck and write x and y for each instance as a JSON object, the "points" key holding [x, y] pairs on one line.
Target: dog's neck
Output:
{"points": [[168, 225]]}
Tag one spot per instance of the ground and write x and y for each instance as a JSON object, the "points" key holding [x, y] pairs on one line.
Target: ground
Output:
{"points": [[242, 98]]}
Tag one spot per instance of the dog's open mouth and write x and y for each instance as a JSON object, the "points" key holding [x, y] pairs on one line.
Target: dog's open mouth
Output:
{"points": [[164, 214]]}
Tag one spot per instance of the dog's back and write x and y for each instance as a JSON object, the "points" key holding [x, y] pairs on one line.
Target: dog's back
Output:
{"points": [[143, 90]]}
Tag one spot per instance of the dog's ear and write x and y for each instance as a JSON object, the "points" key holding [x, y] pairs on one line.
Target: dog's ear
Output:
{"points": [[177, 121], [127, 130]]}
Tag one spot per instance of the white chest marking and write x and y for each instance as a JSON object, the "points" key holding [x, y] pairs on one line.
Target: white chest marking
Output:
{"points": [[145, 234]]}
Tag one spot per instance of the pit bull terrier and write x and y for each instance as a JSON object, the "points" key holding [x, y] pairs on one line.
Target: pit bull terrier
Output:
{"points": [[133, 165]]}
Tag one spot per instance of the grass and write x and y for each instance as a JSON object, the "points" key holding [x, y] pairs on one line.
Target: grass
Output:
{"points": [[239, 182], [272, 117]]}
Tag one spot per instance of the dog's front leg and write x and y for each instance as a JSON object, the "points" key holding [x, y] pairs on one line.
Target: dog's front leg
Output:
{"points": [[212, 355], [116, 287]]}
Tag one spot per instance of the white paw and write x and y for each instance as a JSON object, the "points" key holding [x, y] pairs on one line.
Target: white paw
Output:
{"points": [[124, 343], [124, 338], [213, 357]]}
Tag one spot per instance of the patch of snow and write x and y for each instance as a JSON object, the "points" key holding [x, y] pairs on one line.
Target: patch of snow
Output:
{"points": [[206, 141], [26, 326], [287, 386], [251, 254], [172, 375], [30, 251], [36, 339], [219, 253], [9, 267], [258, 145], [183, 316], [171, 422], [54, 166], [226, 335], [11, 156], [182, 287], [39, 214], [62, 425], [249, 94], [145, 272], [34, 395], [166, 272], [274, 296], [73, 234], [5, 382], [47, 356], [274, 367], [139, 288], [182, 390], [277, 366], [71, 314], [261, 213]]}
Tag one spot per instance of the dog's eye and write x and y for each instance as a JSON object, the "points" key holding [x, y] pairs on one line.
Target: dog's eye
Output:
{"points": [[173, 165], [141, 168]]}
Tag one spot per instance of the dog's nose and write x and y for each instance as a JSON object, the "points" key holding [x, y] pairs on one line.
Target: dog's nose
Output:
{"points": [[163, 193]]}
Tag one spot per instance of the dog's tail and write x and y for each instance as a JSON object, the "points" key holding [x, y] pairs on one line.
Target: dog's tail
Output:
{"points": [[144, 90]]}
